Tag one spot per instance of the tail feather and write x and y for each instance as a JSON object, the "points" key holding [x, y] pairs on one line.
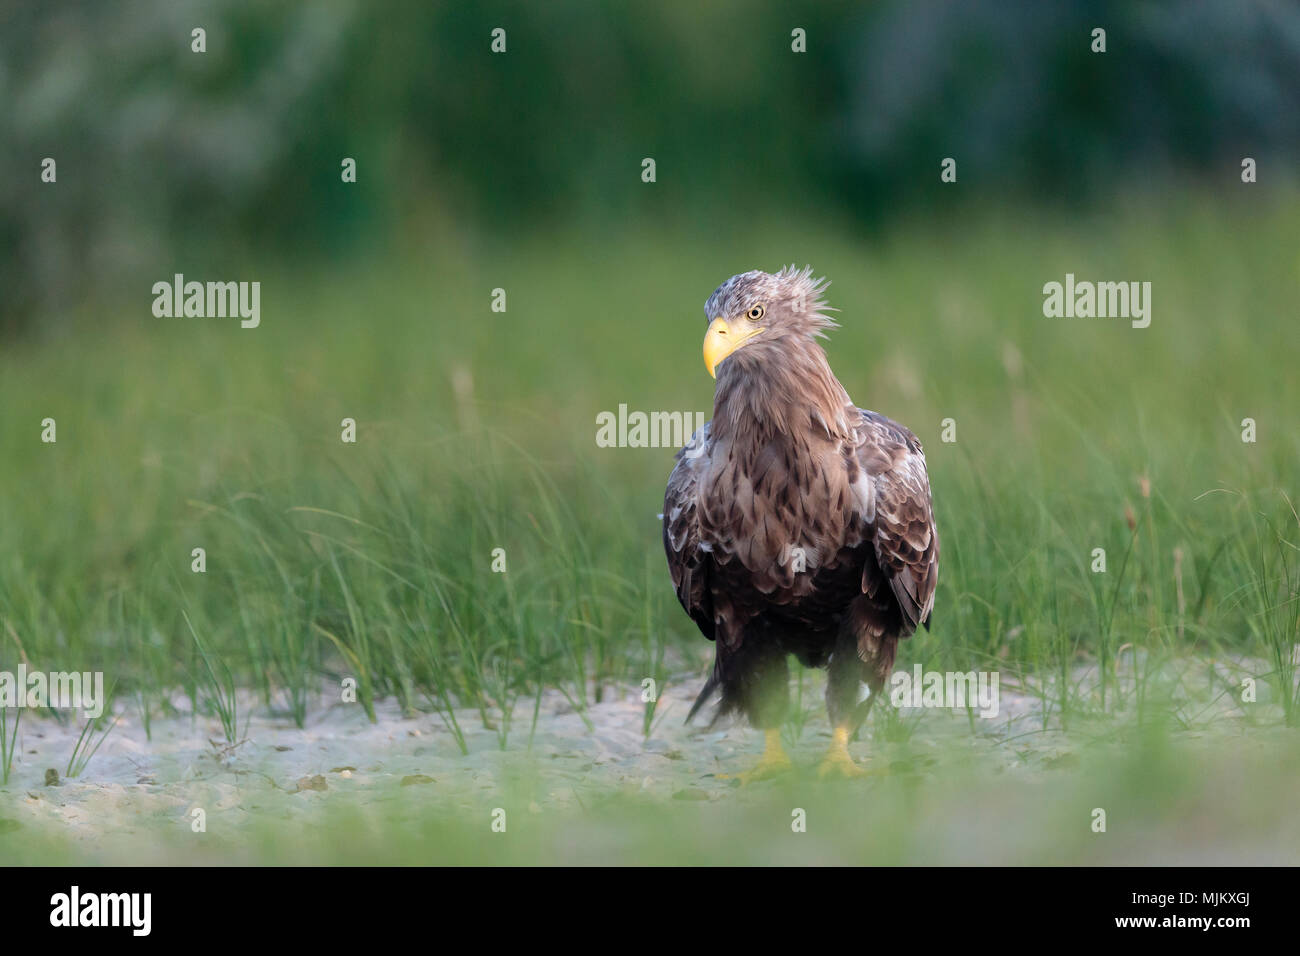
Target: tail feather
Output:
{"points": [[705, 693]]}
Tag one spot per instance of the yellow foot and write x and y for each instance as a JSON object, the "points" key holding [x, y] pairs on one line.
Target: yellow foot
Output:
{"points": [[837, 762], [772, 763]]}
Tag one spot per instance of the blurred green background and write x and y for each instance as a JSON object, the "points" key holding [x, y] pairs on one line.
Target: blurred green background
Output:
{"points": [[175, 161], [522, 171]]}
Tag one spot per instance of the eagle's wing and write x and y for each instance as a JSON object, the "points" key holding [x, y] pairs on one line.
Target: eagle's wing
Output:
{"points": [[902, 528], [688, 560]]}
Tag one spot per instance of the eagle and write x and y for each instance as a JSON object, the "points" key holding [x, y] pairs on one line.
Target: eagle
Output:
{"points": [[795, 523]]}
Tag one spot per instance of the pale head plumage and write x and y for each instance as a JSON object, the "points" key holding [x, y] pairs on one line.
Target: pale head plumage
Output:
{"points": [[774, 381], [793, 300]]}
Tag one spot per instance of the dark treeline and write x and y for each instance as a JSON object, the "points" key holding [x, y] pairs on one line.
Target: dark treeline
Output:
{"points": [[173, 160]]}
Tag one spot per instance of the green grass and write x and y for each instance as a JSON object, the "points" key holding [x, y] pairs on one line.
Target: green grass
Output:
{"points": [[8, 739], [476, 431], [86, 747]]}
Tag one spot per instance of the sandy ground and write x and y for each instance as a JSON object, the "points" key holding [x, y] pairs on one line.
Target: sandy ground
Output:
{"points": [[282, 772]]}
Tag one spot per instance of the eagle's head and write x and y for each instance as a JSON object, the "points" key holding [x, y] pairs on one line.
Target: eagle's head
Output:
{"points": [[764, 314]]}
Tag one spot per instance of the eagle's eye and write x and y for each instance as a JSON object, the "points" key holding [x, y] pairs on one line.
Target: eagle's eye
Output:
{"points": [[756, 312]]}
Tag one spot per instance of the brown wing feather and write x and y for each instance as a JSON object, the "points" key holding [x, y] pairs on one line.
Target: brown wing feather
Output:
{"points": [[903, 532], [688, 562]]}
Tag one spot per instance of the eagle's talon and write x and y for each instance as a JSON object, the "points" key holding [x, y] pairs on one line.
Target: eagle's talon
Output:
{"points": [[837, 761], [773, 763], [843, 766], [766, 770]]}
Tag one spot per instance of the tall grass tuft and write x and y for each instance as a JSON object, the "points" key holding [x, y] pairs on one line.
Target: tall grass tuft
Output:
{"points": [[218, 685], [87, 746], [8, 742], [1268, 562]]}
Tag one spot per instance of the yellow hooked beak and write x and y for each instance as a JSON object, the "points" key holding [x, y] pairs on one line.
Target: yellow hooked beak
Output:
{"points": [[722, 339]]}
